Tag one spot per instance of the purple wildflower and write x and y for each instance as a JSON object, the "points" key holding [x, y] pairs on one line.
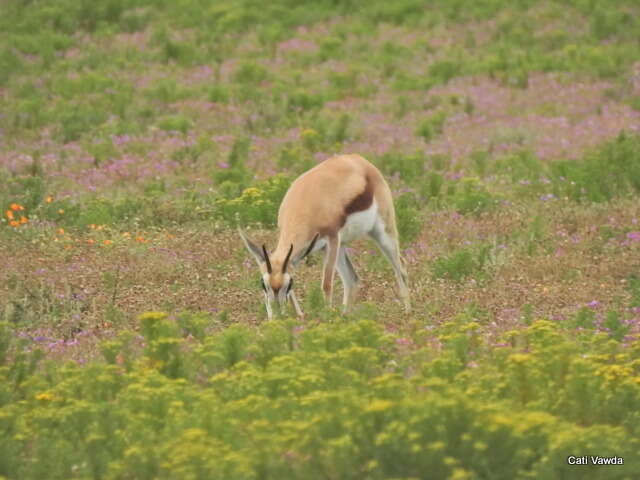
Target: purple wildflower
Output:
{"points": [[633, 236]]}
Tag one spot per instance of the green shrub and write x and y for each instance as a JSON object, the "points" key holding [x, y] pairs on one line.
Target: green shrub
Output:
{"points": [[235, 170], [634, 102], [403, 81], [295, 159], [9, 64], [398, 12], [257, 204], [443, 71], [326, 132], [29, 191], [432, 126], [286, 400], [408, 217], [344, 84], [172, 50], [175, 123], [471, 196], [460, 264], [219, 94], [301, 100], [610, 171], [432, 186], [330, 48], [77, 120], [251, 73], [410, 168], [522, 165], [167, 90]]}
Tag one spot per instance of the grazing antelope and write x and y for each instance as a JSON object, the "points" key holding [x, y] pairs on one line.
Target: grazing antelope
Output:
{"points": [[341, 199]]}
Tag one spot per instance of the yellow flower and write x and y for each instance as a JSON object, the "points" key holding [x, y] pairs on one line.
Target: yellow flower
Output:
{"points": [[61, 211], [371, 465], [44, 396], [519, 358], [378, 405], [251, 192], [49, 199]]}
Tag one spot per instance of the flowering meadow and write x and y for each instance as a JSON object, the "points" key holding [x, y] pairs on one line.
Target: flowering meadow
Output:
{"points": [[133, 339]]}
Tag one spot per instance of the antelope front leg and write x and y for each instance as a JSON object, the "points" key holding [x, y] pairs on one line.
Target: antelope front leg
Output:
{"points": [[296, 304], [330, 258]]}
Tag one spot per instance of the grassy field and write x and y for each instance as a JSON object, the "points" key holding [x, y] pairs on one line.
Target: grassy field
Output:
{"points": [[133, 339]]}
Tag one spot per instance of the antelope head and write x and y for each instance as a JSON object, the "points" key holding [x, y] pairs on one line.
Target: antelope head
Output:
{"points": [[275, 280]]}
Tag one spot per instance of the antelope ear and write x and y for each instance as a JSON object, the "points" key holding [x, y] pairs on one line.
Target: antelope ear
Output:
{"points": [[252, 248], [309, 249]]}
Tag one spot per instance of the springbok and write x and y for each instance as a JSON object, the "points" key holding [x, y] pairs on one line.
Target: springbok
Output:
{"points": [[343, 198]]}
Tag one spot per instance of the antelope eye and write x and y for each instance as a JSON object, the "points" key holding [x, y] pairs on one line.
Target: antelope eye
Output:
{"points": [[263, 285], [290, 286]]}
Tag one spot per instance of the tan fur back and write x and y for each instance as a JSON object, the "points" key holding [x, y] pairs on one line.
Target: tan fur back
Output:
{"points": [[319, 200]]}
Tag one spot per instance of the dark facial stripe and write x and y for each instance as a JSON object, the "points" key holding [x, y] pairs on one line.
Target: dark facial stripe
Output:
{"points": [[362, 201]]}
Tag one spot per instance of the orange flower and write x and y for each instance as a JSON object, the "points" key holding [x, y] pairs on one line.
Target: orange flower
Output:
{"points": [[16, 207], [90, 241], [92, 226], [9, 214], [126, 234], [23, 219], [61, 231], [49, 199], [107, 242], [14, 223], [141, 239]]}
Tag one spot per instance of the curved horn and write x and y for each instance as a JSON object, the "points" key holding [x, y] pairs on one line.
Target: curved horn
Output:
{"points": [[266, 258], [311, 245], [286, 260]]}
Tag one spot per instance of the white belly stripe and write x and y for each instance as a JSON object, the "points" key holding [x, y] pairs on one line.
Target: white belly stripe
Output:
{"points": [[359, 224]]}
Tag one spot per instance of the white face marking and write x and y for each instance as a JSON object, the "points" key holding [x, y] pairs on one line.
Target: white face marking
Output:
{"points": [[359, 224], [280, 299]]}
